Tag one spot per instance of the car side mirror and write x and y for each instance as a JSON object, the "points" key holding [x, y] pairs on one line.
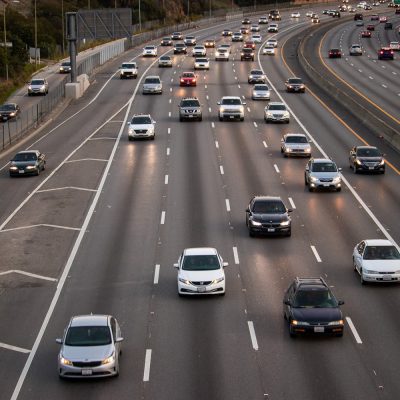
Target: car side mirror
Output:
{"points": [[59, 341], [119, 339], [247, 209], [219, 103], [176, 266], [339, 169], [289, 210], [340, 302], [287, 302], [307, 168], [244, 103], [225, 264], [282, 140]]}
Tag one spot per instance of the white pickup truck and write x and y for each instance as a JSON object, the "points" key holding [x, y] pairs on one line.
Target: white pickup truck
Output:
{"points": [[128, 70]]}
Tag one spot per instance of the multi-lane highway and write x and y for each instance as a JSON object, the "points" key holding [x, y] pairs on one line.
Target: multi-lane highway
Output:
{"points": [[100, 230]]}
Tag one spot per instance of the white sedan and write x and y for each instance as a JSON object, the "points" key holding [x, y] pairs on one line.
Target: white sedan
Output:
{"points": [[256, 38], [295, 14], [150, 51], [200, 271], [377, 260], [202, 63], [199, 51], [269, 49]]}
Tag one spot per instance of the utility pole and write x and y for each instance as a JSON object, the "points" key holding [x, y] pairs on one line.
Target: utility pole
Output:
{"points": [[36, 58]]}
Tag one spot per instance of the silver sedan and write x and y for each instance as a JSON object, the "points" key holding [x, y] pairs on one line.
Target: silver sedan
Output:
{"points": [[261, 92]]}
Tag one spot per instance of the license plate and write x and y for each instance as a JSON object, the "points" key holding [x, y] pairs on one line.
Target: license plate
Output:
{"points": [[319, 329], [326, 184], [371, 167], [387, 277], [231, 117], [21, 171], [87, 372], [271, 229], [201, 289], [190, 116]]}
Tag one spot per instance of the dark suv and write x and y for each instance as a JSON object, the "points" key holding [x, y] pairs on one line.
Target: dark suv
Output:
{"points": [[180, 48], [310, 307], [366, 158], [268, 215], [190, 108], [247, 54], [386, 53], [274, 15]]}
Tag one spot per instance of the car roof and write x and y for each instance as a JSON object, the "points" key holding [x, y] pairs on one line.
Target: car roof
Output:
{"points": [[153, 76], [141, 115], [295, 134], [231, 97], [267, 198], [200, 251], [90, 320], [378, 242], [366, 147], [321, 160], [276, 103], [311, 283]]}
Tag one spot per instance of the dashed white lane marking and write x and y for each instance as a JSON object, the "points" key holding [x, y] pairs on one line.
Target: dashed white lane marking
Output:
{"points": [[352, 65], [248, 109], [170, 101], [354, 330], [394, 73], [255, 124], [156, 274], [217, 144], [360, 70], [253, 335], [172, 79], [169, 131], [239, 86], [243, 97], [166, 179], [168, 151], [265, 144], [292, 203], [314, 250], [209, 109], [235, 255], [170, 89], [205, 86], [207, 97], [228, 205], [383, 85], [371, 77], [221, 169], [169, 114], [383, 66], [147, 362], [212, 125], [236, 77], [174, 72], [18, 271], [234, 70], [14, 348], [162, 221], [276, 168]]}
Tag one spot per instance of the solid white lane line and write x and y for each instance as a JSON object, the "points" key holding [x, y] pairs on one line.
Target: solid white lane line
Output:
{"points": [[265, 144], [166, 180], [217, 144], [212, 125], [221, 169], [354, 330], [156, 274], [162, 222], [14, 348], [292, 203], [18, 271], [235, 255], [147, 362], [314, 250], [169, 131], [168, 151], [276, 168], [255, 124], [228, 206], [253, 335], [209, 109]]}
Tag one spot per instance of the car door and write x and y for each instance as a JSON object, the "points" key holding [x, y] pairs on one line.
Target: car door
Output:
{"points": [[288, 298], [307, 172], [358, 255]]}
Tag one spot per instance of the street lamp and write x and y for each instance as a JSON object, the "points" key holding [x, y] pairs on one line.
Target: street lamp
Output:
{"points": [[36, 60], [5, 36]]}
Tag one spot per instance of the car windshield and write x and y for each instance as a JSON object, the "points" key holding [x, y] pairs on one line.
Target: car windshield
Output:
{"points": [[200, 263], [368, 152], [88, 336], [7, 107], [37, 82], [189, 37], [269, 207], [324, 167], [25, 157], [66, 64], [277, 107], [256, 72], [188, 75], [248, 51], [381, 253], [165, 58], [199, 47], [295, 81], [141, 120], [296, 139], [261, 87], [314, 299], [179, 45], [190, 103], [128, 65], [201, 60], [233, 102], [149, 48], [166, 39], [152, 80]]}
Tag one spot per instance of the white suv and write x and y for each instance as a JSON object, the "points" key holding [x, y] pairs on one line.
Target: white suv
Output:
{"points": [[141, 127], [322, 173], [231, 107], [128, 70], [150, 51]]}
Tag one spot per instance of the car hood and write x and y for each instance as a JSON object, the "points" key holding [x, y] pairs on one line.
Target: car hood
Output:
{"points": [[270, 217], [87, 353], [297, 145], [382, 265], [201, 276], [141, 126], [316, 315], [370, 159], [152, 85], [21, 164], [322, 175]]}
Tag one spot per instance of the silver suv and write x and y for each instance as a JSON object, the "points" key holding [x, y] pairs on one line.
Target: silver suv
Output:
{"points": [[152, 84], [231, 107], [190, 108], [141, 126], [38, 86], [322, 173]]}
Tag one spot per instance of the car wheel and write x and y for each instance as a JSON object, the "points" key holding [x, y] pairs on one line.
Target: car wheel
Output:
{"points": [[291, 333], [220, 118], [266, 121], [362, 281], [201, 119], [310, 189], [180, 119], [354, 169], [289, 233], [251, 233], [287, 121], [242, 119], [339, 334], [153, 137], [305, 180], [339, 189], [38, 171]]}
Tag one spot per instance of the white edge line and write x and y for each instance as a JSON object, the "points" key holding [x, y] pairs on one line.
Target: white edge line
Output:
{"points": [[66, 188], [18, 271], [354, 330], [40, 225], [147, 362], [314, 250], [14, 348], [253, 335], [156, 274], [235, 255]]}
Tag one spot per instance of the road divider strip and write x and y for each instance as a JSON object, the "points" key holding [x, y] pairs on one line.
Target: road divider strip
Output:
{"points": [[156, 274], [354, 330], [235, 255], [14, 348]]}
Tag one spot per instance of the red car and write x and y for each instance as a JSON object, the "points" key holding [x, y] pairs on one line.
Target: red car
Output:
{"points": [[188, 79], [370, 27], [366, 34], [335, 53], [249, 45]]}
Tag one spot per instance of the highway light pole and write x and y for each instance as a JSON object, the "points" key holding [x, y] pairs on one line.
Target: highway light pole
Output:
{"points": [[5, 36], [36, 59]]}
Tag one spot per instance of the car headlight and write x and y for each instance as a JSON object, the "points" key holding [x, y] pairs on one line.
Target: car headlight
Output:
{"points": [[255, 223], [268, 113], [218, 280], [42, 87], [382, 162], [130, 131], [13, 168], [298, 323], [30, 166], [285, 223], [30, 87], [313, 179], [64, 361], [337, 179], [108, 360], [286, 114], [370, 271], [185, 281], [339, 322], [307, 150], [12, 114], [358, 162], [288, 150]]}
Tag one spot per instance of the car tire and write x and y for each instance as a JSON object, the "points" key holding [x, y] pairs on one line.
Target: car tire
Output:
{"points": [[287, 121], [38, 171], [362, 281], [339, 334], [310, 189], [251, 233], [266, 121], [153, 137], [291, 333], [200, 119], [339, 189], [354, 169], [242, 119], [288, 234]]}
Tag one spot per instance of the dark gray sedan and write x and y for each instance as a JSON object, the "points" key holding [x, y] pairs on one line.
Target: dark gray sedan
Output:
{"points": [[9, 111], [28, 162]]}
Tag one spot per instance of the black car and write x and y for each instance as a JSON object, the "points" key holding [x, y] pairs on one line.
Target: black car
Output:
{"points": [[366, 158], [388, 25], [27, 162], [310, 307], [9, 111], [295, 85], [166, 41], [246, 21], [247, 54], [335, 53], [274, 15], [180, 48], [386, 53], [335, 14], [358, 17], [268, 215], [65, 67]]}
